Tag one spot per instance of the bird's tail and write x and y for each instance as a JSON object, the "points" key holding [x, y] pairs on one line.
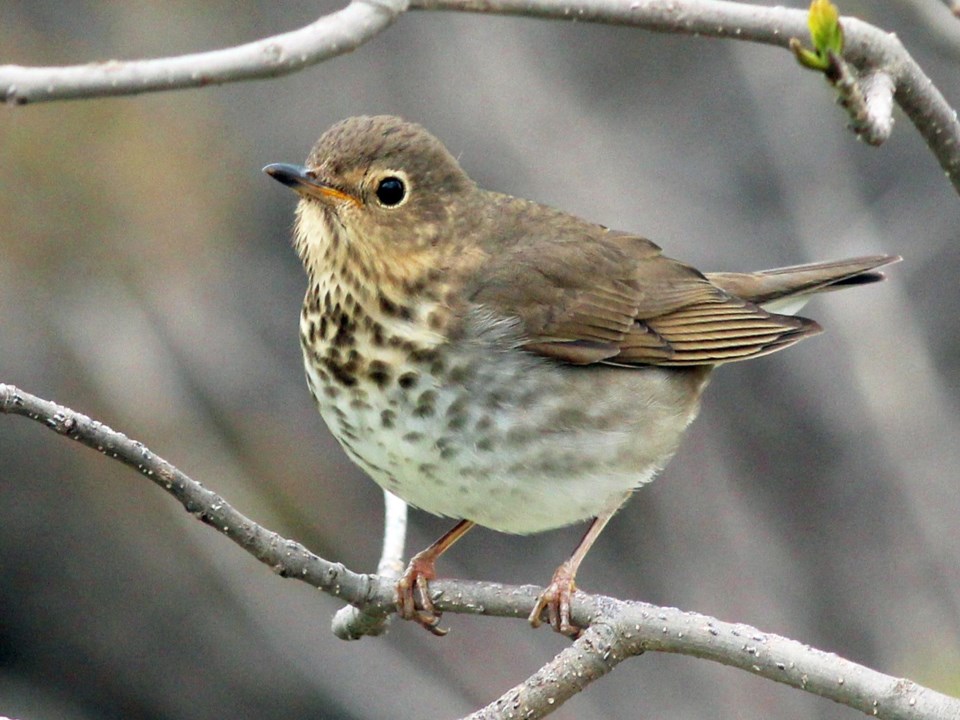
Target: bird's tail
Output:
{"points": [[785, 290]]}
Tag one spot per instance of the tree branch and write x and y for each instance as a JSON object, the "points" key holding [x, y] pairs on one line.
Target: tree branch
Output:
{"points": [[352, 623], [867, 48], [598, 650], [874, 53], [328, 37], [615, 631]]}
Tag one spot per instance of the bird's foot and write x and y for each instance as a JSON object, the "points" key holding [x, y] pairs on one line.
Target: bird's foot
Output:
{"points": [[415, 581], [555, 599]]}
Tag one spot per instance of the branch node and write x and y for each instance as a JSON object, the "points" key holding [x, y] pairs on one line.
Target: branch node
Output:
{"points": [[868, 99]]}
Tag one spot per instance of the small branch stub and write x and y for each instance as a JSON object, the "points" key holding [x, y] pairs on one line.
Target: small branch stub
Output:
{"points": [[867, 97]]}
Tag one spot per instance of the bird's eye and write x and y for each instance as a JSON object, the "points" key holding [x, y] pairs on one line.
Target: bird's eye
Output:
{"points": [[390, 191]]}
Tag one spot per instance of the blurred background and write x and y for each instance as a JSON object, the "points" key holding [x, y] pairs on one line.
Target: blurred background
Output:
{"points": [[147, 279]]}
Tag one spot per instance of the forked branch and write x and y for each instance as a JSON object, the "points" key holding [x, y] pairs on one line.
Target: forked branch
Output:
{"points": [[616, 630]]}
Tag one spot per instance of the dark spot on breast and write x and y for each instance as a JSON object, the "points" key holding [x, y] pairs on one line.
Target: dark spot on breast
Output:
{"points": [[484, 445], [345, 329], [323, 327], [458, 406], [426, 404], [412, 437], [311, 301], [435, 320], [415, 287], [379, 373], [484, 423], [392, 309], [494, 399], [423, 355], [457, 413], [340, 372], [428, 470], [408, 380], [314, 356], [395, 341], [458, 374], [331, 391], [447, 447], [388, 418], [554, 466]]}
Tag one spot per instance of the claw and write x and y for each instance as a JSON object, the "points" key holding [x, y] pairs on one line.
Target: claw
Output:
{"points": [[416, 581], [555, 599], [417, 577]]}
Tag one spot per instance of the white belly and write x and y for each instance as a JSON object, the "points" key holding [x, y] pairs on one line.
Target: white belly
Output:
{"points": [[516, 442]]}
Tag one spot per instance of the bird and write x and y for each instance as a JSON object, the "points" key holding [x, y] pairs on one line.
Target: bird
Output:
{"points": [[503, 363]]}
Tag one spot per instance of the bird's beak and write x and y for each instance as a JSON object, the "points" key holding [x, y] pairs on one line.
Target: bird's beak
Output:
{"points": [[305, 183]]}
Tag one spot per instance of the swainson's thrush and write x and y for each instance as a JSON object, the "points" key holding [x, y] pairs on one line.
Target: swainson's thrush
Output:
{"points": [[497, 361]]}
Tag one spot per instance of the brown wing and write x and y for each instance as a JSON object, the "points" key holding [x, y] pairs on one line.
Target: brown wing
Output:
{"points": [[614, 298]]}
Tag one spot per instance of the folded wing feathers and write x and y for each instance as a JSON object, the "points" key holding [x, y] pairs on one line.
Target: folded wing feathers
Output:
{"points": [[721, 331], [617, 300]]}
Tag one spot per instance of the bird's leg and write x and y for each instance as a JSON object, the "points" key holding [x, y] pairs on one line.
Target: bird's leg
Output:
{"points": [[555, 599], [419, 572]]}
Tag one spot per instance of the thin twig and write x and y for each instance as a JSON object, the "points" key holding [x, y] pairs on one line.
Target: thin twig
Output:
{"points": [[615, 629]]}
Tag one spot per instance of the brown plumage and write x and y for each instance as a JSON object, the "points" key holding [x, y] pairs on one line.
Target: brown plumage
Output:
{"points": [[498, 361]]}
